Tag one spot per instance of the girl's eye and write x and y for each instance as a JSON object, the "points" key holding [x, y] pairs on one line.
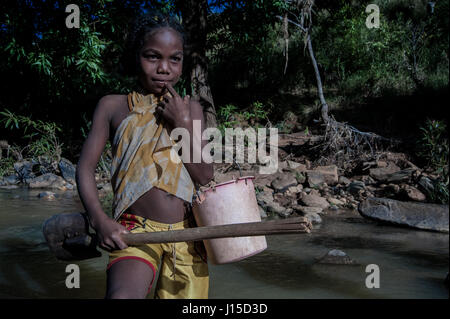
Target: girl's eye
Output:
{"points": [[176, 59], [151, 56]]}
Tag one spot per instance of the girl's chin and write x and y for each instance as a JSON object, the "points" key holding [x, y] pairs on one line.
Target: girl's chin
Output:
{"points": [[155, 89]]}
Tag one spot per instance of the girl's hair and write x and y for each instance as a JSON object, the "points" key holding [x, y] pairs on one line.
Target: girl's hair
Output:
{"points": [[143, 25]]}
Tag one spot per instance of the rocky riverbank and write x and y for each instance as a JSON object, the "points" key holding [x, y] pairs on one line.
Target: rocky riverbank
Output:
{"points": [[298, 187]]}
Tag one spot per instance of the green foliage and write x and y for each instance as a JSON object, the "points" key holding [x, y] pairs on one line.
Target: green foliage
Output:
{"points": [[229, 116], [433, 148], [6, 166], [405, 53], [256, 113], [226, 117], [42, 136]]}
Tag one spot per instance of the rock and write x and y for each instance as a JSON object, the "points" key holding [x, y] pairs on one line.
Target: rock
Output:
{"points": [[382, 164], [413, 193], [282, 166], [426, 183], [336, 257], [417, 215], [314, 201], [314, 218], [356, 186], [283, 181], [392, 188], [67, 170], [344, 180], [321, 175], [71, 187], [10, 180], [24, 170], [333, 207], [294, 189], [400, 176], [264, 198], [296, 166], [48, 180], [381, 174], [367, 180], [286, 212], [307, 210], [284, 199], [276, 208], [335, 201], [47, 195], [262, 212]]}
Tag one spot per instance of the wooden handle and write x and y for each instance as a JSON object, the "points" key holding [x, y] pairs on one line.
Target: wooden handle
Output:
{"points": [[274, 227]]}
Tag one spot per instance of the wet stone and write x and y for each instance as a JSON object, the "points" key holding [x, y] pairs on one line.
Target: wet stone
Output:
{"points": [[336, 257]]}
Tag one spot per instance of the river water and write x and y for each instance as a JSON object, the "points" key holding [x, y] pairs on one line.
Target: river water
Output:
{"points": [[412, 263]]}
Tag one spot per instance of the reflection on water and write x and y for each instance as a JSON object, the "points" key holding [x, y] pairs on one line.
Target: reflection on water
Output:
{"points": [[413, 264]]}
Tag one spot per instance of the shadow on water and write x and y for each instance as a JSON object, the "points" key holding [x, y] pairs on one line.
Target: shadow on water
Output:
{"points": [[294, 274], [29, 270]]}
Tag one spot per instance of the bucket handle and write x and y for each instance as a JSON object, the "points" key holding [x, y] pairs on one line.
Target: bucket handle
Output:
{"points": [[198, 194]]}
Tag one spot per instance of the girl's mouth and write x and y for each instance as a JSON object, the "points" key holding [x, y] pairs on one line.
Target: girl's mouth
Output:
{"points": [[160, 83]]}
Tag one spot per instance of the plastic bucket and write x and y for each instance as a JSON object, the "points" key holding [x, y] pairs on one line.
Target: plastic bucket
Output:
{"points": [[231, 202]]}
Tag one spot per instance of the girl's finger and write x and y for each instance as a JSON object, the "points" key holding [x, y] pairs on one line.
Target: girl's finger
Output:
{"points": [[106, 246], [172, 90], [186, 99]]}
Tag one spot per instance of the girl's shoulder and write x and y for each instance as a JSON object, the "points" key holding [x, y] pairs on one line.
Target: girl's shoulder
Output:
{"points": [[112, 104], [113, 100]]}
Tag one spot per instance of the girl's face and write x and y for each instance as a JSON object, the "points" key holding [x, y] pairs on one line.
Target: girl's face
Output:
{"points": [[161, 60]]}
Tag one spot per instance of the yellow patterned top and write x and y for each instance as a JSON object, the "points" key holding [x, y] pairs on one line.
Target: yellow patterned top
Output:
{"points": [[142, 157]]}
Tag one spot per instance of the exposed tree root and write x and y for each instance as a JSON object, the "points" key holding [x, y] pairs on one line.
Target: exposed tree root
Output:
{"points": [[343, 142]]}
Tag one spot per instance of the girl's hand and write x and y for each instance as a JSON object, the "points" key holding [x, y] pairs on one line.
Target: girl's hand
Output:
{"points": [[175, 109], [109, 232]]}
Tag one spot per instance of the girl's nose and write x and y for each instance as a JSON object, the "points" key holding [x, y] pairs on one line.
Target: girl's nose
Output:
{"points": [[163, 67]]}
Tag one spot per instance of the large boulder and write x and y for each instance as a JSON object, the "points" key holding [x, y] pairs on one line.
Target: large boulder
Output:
{"points": [[67, 170], [418, 215], [48, 180]]}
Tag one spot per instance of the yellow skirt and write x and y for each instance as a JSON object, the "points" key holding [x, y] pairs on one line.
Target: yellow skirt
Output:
{"points": [[183, 269]]}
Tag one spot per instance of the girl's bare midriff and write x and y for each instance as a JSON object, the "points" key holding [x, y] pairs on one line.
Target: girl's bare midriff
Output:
{"points": [[155, 204]]}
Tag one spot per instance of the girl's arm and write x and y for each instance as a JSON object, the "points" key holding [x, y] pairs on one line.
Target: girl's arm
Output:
{"points": [[107, 229], [181, 112], [201, 173]]}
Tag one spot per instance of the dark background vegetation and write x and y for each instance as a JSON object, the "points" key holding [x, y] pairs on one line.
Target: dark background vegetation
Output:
{"points": [[388, 80]]}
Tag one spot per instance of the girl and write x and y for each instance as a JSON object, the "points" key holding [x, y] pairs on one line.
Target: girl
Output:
{"points": [[151, 192]]}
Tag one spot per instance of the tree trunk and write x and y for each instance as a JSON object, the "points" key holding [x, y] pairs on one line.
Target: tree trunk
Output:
{"points": [[194, 14], [324, 109]]}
